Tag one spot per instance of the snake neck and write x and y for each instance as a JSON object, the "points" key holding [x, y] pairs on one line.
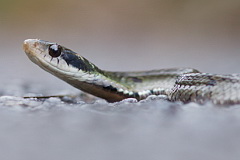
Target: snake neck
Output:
{"points": [[141, 84]]}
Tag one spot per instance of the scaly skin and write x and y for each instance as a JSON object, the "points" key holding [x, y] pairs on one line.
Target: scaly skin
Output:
{"points": [[178, 84], [202, 87]]}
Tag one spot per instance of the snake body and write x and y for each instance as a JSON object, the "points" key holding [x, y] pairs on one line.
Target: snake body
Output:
{"points": [[177, 84]]}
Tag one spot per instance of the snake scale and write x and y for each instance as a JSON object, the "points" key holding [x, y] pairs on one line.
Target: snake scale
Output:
{"points": [[176, 84]]}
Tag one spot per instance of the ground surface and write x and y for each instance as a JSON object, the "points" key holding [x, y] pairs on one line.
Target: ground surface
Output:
{"points": [[80, 128], [125, 35]]}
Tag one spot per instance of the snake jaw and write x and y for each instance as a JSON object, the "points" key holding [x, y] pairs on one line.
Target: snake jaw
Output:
{"points": [[34, 50], [68, 66], [37, 52]]}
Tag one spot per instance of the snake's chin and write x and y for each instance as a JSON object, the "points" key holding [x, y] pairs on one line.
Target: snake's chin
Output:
{"points": [[37, 52]]}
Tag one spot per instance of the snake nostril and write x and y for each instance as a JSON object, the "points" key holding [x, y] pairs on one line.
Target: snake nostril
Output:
{"points": [[55, 50]]}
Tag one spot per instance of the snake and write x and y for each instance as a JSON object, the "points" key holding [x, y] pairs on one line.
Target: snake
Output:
{"points": [[175, 84]]}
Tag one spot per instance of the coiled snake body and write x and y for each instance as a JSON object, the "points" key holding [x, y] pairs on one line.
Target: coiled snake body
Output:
{"points": [[177, 84]]}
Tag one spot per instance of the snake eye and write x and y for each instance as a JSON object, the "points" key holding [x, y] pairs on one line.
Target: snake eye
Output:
{"points": [[55, 50]]}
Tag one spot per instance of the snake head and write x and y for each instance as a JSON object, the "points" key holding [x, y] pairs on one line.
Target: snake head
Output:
{"points": [[72, 68], [55, 58]]}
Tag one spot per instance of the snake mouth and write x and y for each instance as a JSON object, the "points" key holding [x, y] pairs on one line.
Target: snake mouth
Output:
{"points": [[29, 46], [32, 50], [45, 54], [38, 52], [35, 46], [56, 59]]}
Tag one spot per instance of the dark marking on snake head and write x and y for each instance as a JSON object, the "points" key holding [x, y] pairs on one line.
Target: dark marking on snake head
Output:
{"points": [[75, 61]]}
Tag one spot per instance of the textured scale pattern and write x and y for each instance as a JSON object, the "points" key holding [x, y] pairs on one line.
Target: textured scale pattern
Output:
{"points": [[177, 84], [202, 87]]}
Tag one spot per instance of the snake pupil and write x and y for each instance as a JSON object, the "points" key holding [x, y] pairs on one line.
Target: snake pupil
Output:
{"points": [[55, 50]]}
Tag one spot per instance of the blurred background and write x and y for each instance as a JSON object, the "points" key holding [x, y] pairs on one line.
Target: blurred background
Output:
{"points": [[126, 35], [117, 35]]}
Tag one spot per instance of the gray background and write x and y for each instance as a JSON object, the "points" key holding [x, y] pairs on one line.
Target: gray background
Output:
{"points": [[119, 36]]}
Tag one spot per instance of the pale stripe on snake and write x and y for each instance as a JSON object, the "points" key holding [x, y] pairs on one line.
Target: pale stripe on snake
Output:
{"points": [[177, 84]]}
